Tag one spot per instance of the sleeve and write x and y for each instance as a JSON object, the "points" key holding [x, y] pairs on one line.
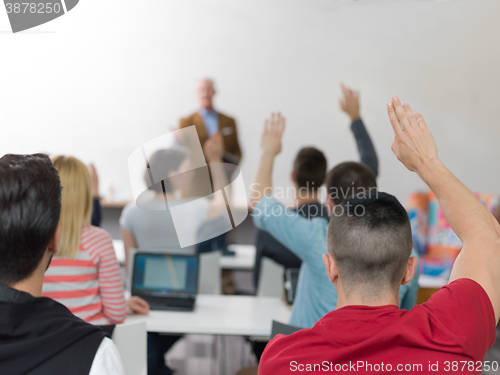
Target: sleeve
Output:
{"points": [[365, 146], [125, 218], [96, 213], [183, 123], [464, 308], [291, 229], [114, 306], [107, 360]]}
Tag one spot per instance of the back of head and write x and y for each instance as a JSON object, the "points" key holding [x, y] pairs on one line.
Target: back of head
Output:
{"points": [[76, 202], [370, 240], [309, 168], [30, 205], [163, 163], [350, 180]]}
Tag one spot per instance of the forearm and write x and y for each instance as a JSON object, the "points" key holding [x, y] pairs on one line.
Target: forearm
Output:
{"points": [[217, 205], [467, 216], [366, 149], [262, 183]]}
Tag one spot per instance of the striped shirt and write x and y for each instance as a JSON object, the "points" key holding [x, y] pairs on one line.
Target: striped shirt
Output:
{"points": [[90, 285]]}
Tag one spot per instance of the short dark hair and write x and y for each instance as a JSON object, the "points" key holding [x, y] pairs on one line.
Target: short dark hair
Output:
{"points": [[30, 205], [162, 162], [309, 167], [370, 240], [348, 180]]}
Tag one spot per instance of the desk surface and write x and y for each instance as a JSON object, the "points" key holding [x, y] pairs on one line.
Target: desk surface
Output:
{"points": [[243, 260], [220, 315]]}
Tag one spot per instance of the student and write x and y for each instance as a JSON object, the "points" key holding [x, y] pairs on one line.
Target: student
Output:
{"points": [[309, 171], [85, 275], [368, 258], [307, 239], [39, 335], [151, 227]]}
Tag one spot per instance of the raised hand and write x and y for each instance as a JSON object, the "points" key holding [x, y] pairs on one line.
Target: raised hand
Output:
{"points": [[413, 143], [349, 103], [272, 134], [214, 147]]}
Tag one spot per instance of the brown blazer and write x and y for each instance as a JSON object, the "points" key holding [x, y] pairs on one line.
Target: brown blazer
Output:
{"points": [[227, 127]]}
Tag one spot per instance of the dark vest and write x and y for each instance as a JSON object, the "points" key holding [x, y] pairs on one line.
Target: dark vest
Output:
{"points": [[39, 336]]}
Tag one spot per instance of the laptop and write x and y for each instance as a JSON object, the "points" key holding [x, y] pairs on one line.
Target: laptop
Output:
{"points": [[166, 281]]}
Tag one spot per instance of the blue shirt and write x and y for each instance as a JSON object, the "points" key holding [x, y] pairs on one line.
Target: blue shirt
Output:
{"points": [[210, 119], [315, 295]]}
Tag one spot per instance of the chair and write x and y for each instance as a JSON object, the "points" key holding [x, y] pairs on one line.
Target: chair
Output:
{"points": [[271, 279], [209, 278], [131, 341]]}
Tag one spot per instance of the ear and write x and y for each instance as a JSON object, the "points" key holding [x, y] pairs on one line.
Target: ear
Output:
{"points": [[293, 177], [54, 241], [331, 268], [411, 267]]}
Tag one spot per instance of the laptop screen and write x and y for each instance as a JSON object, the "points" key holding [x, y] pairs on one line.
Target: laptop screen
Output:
{"points": [[164, 274]]}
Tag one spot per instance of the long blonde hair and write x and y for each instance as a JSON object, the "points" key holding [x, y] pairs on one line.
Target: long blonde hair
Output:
{"points": [[76, 203]]}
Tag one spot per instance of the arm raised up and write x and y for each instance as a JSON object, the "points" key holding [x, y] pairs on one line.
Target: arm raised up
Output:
{"points": [[478, 230]]}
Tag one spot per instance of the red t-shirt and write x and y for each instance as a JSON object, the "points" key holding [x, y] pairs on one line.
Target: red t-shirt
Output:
{"points": [[449, 334]]}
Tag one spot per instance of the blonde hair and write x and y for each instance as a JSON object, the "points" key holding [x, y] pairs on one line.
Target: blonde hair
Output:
{"points": [[76, 203]]}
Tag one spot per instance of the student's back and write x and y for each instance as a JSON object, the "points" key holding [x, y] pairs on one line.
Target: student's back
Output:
{"points": [[85, 275], [451, 331], [39, 336]]}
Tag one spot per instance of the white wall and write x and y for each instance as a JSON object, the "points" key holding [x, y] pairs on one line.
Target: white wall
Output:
{"points": [[113, 74]]}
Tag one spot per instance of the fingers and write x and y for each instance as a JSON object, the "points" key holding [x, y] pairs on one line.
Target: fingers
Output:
{"points": [[345, 90], [409, 114], [393, 118], [420, 120], [400, 113]]}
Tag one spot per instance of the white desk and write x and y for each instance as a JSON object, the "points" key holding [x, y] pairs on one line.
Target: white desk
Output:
{"points": [[220, 315], [243, 260]]}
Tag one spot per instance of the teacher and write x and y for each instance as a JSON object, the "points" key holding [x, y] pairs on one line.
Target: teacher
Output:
{"points": [[208, 121]]}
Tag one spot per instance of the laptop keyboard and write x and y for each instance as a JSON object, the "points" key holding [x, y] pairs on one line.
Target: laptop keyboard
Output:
{"points": [[169, 302]]}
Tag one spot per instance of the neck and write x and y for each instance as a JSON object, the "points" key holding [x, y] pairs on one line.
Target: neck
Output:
{"points": [[380, 298], [310, 198], [33, 284], [209, 107]]}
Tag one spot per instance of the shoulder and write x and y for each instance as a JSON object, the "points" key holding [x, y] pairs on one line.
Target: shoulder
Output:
{"points": [[107, 360], [224, 117], [189, 118], [95, 237]]}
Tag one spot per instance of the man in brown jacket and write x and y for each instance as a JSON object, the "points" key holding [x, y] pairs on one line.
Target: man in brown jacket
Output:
{"points": [[209, 121]]}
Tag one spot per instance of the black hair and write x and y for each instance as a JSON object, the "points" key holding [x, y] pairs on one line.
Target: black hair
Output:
{"points": [[348, 180], [160, 164], [309, 167], [30, 206], [370, 241]]}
